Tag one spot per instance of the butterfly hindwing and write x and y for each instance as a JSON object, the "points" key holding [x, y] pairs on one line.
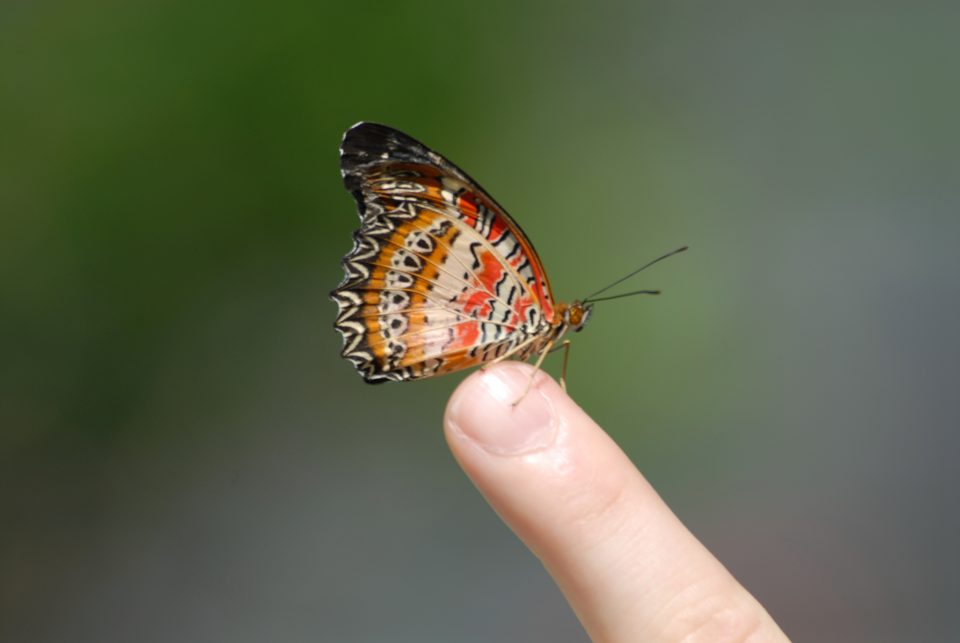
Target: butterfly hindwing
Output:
{"points": [[440, 278]]}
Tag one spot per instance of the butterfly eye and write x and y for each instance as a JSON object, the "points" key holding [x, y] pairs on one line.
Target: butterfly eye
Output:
{"points": [[587, 311]]}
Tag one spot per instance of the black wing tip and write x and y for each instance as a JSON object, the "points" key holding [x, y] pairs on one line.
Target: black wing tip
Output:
{"points": [[367, 142], [362, 128], [362, 131], [367, 137]]}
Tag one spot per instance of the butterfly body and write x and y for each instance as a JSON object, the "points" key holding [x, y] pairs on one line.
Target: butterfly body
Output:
{"points": [[440, 278]]}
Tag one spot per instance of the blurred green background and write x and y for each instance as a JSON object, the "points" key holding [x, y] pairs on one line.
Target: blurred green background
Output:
{"points": [[184, 456]]}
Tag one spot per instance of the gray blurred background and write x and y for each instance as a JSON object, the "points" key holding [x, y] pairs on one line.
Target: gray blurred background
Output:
{"points": [[184, 456]]}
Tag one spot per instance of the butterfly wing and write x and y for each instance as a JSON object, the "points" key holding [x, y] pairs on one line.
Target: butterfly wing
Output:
{"points": [[440, 278]]}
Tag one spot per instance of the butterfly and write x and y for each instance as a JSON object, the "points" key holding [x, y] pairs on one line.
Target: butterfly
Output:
{"points": [[440, 277]]}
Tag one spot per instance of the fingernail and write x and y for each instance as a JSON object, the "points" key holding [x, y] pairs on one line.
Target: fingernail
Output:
{"points": [[486, 413]]}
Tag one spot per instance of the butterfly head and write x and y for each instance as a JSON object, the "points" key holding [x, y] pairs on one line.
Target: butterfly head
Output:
{"points": [[576, 315]]}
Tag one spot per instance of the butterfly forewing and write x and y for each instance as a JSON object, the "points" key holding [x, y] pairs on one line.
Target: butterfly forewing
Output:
{"points": [[440, 277]]}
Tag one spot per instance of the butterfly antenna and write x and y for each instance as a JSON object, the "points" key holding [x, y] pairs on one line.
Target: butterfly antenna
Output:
{"points": [[626, 294], [590, 298]]}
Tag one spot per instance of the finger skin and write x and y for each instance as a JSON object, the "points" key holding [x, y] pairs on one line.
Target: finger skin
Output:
{"points": [[627, 565]]}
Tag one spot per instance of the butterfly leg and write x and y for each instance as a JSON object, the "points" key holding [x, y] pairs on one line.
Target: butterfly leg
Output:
{"points": [[563, 369], [536, 369], [565, 345]]}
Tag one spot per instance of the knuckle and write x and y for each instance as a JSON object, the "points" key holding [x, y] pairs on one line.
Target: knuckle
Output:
{"points": [[598, 501], [717, 620]]}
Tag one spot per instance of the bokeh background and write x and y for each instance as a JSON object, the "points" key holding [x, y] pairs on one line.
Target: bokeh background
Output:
{"points": [[184, 456]]}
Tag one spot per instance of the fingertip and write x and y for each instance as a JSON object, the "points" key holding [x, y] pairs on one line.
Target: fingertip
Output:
{"points": [[505, 409]]}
